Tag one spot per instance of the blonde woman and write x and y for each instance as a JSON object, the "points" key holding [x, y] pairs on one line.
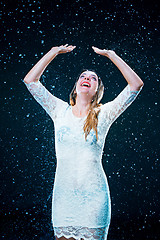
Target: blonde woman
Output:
{"points": [[81, 206]]}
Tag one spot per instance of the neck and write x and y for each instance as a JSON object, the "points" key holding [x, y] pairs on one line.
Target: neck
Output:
{"points": [[81, 108]]}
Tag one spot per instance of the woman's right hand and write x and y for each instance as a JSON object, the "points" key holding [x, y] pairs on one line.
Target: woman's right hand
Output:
{"points": [[64, 48]]}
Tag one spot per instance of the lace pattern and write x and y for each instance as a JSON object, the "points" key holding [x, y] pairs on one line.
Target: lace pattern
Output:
{"points": [[82, 232], [50, 103], [116, 107], [91, 211]]}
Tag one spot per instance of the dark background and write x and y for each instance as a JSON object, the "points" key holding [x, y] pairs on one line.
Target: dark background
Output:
{"points": [[131, 155]]}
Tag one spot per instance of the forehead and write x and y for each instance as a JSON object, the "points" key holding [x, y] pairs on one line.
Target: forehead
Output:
{"points": [[88, 73]]}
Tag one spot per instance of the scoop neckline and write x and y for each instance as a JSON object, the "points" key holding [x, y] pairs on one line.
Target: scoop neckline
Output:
{"points": [[80, 118]]}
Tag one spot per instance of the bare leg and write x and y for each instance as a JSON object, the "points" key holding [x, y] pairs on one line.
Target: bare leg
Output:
{"points": [[63, 238]]}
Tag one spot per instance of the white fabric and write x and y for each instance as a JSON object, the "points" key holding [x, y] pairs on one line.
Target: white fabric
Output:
{"points": [[81, 232], [81, 206]]}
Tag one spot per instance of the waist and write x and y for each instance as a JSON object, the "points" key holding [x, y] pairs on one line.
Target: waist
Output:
{"points": [[78, 152], [87, 178]]}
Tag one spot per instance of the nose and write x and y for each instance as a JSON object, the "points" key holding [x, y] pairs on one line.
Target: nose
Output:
{"points": [[87, 78]]}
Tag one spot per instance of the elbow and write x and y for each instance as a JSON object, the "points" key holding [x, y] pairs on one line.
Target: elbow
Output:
{"points": [[25, 80], [29, 80], [137, 86], [141, 84]]}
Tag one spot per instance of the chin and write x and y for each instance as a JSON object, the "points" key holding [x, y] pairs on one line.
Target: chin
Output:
{"points": [[83, 91]]}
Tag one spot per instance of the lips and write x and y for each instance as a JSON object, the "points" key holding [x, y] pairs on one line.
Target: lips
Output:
{"points": [[85, 84]]}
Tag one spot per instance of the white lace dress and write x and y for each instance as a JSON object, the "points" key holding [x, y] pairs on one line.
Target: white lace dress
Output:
{"points": [[81, 205]]}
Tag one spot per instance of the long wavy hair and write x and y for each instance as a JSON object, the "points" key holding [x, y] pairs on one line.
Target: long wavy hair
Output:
{"points": [[91, 121]]}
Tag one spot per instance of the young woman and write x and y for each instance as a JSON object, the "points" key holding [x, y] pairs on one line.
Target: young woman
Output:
{"points": [[81, 207]]}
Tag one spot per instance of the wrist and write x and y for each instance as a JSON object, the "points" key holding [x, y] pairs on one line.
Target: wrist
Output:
{"points": [[55, 50], [111, 54]]}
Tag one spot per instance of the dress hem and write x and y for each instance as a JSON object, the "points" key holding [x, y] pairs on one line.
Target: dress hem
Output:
{"points": [[82, 232], [75, 237]]}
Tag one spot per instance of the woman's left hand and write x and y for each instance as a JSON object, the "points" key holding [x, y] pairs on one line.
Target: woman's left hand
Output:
{"points": [[104, 52]]}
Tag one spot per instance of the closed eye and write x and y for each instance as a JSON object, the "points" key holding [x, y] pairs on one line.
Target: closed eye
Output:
{"points": [[95, 79], [91, 77]]}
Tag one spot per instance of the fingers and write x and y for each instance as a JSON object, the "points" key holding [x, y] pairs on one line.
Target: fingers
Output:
{"points": [[70, 48], [94, 48], [66, 48]]}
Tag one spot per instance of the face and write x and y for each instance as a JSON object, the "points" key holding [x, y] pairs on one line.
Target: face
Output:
{"points": [[87, 83]]}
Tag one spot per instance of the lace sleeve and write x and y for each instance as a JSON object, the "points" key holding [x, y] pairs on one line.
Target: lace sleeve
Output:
{"points": [[50, 103], [116, 107]]}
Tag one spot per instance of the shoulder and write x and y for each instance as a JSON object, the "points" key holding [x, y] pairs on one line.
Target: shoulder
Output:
{"points": [[105, 107], [62, 107], [104, 110]]}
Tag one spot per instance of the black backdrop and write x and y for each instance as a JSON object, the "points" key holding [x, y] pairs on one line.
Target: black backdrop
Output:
{"points": [[131, 155]]}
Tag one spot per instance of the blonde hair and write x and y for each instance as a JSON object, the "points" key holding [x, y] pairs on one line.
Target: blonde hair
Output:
{"points": [[92, 118]]}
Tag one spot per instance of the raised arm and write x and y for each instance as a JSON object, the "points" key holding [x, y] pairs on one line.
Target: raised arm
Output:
{"points": [[50, 103], [115, 108], [131, 77], [35, 73]]}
